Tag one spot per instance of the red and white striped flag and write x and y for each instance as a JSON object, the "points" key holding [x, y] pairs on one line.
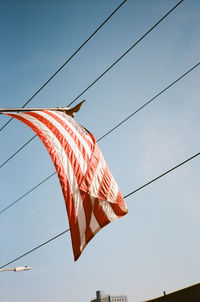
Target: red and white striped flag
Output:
{"points": [[91, 194]]}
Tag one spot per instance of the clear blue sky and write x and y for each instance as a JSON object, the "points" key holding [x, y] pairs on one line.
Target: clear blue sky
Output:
{"points": [[156, 246]]}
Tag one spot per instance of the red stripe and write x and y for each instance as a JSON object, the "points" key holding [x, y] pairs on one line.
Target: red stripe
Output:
{"points": [[88, 213], [74, 229], [77, 173], [79, 127], [92, 166], [105, 184], [64, 143], [73, 135], [72, 218], [119, 206], [100, 214], [86, 137], [87, 140]]}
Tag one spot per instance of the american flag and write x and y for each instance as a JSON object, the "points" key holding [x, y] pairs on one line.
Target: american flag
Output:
{"points": [[91, 194]]}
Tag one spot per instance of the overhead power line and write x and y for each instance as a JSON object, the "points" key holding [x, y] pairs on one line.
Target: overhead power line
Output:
{"points": [[65, 63], [126, 52], [28, 192], [150, 101], [21, 148], [136, 190], [35, 248], [163, 174], [139, 40], [114, 128]]}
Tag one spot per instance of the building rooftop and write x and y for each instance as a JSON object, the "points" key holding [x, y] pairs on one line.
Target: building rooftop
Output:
{"points": [[188, 294]]}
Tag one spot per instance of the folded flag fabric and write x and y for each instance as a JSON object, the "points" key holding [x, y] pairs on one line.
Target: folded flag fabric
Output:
{"points": [[91, 194]]}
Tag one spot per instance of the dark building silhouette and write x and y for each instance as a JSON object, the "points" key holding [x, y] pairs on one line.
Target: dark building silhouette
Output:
{"points": [[188, 294], [102, 297]]}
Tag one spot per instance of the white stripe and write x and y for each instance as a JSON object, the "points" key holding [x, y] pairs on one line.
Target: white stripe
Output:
{"points": [[113, 191], [98, 176], [67, 136], [93, 222], [66, 119], [68, 171], [108, 210], [95, 186]]}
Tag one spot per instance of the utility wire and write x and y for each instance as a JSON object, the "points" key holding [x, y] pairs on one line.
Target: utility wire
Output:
{"points": [[114, 128], [102, 137], [107, 69], [124, 54], [28, 192], [69, 59], [140, 188], [161, 175], [13, 155], [37, 247], [147, 103]]}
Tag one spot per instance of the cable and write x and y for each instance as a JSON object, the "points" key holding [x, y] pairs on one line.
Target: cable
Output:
{"points": [[35, 248], [76, 99], [148, 183], [114, 128], [69, 59], [5, 162], [124, 54], [113, 64], [161, 175], [147, 103], [10, 205]]}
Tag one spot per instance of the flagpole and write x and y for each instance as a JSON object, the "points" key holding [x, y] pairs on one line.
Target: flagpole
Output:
{"points": [[67, 110], [33, 109]]}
